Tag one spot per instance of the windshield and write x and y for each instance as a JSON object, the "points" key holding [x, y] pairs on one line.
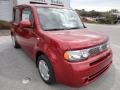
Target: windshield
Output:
{"points": [[59, 19]]}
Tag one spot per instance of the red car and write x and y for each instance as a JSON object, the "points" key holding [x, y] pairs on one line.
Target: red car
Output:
{"points": [[64, 50]]}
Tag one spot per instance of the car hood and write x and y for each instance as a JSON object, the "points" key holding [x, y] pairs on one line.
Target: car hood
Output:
{"points": [[77, 39]]}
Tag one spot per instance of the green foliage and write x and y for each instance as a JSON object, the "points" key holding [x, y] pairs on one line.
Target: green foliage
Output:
{"points": [[103, 17], [92, 13], [113, 11], [4, 25], [109, 18]]}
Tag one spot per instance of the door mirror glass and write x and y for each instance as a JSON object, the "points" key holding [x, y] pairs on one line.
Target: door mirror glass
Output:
{"points": [[25, 24]]}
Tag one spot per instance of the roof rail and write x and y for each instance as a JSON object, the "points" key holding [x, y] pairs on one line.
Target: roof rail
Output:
{"points": [[48, 2], [32, 2], [57, 4]]}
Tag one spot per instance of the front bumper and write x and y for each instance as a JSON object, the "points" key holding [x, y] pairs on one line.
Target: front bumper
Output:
{"points": [[82, 73]]}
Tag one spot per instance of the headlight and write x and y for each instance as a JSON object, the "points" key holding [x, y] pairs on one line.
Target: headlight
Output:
{"points": [[76, 55], [80, 55], [108, 44]]}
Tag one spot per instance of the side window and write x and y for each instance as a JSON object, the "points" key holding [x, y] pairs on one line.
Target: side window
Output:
{"points": [[16, 15], [27, 15]]}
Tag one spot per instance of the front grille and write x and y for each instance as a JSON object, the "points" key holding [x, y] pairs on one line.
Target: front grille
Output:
{"points": [[104, 46], [98, 49], [94, 51], [99, 60], [99, 73]]}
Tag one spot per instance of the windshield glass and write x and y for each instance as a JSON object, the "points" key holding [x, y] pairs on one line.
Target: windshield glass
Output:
{"points": [[58, 19]]}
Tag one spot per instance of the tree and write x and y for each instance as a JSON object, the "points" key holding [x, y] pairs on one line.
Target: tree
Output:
{"points": [[94, 14], [102, 17], [83, 12], [113, 11]]}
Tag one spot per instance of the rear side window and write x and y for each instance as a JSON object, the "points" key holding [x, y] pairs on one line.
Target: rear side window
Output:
{"points": [[16, 15]]}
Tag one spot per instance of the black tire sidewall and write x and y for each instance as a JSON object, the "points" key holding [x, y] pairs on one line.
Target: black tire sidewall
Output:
{"points": [[51, 72]]}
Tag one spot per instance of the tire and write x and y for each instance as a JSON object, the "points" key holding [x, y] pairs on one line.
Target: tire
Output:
{"points": [[46, 73], [15, 44]]}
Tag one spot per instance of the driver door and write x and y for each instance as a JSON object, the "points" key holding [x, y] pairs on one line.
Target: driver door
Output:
{"points": [[28, 35]]}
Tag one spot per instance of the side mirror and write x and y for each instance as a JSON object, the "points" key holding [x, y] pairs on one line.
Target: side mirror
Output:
{"points": [[25, 24]]}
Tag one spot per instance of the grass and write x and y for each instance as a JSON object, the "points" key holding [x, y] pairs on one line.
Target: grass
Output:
{"points": [[4, 25]]}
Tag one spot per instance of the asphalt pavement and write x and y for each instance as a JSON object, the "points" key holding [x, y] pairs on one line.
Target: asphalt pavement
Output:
{"points": [[18, 71]]}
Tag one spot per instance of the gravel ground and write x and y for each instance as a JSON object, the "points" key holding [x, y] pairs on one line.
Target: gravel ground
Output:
{"points": [[4, 32]]}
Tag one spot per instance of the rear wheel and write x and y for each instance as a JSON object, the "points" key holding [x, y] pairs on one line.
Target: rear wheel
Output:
{"points": [[45, 69], [15, 44]]}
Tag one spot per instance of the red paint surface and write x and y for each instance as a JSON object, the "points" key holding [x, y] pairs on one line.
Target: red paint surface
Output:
{"points": [[54, 43]]}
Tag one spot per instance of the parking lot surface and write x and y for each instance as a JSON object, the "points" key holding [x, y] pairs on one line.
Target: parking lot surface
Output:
{"points": [[18, 71]]}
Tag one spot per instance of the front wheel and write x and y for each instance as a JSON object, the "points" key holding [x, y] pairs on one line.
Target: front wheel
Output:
{"points": [[45, 69]]}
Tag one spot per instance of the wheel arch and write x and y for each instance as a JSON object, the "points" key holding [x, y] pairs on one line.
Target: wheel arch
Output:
{"points": [[38, 53]]}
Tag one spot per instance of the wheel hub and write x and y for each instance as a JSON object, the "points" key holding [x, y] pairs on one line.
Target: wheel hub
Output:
{"points": [[44, 71]]}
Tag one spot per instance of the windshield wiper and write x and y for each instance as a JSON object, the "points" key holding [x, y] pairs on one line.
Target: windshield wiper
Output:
{"points": [[54, 29], [57, 29], [73, 28]]}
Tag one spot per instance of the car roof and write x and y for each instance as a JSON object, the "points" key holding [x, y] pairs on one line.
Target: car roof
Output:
{"points": [[43, 5]]}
